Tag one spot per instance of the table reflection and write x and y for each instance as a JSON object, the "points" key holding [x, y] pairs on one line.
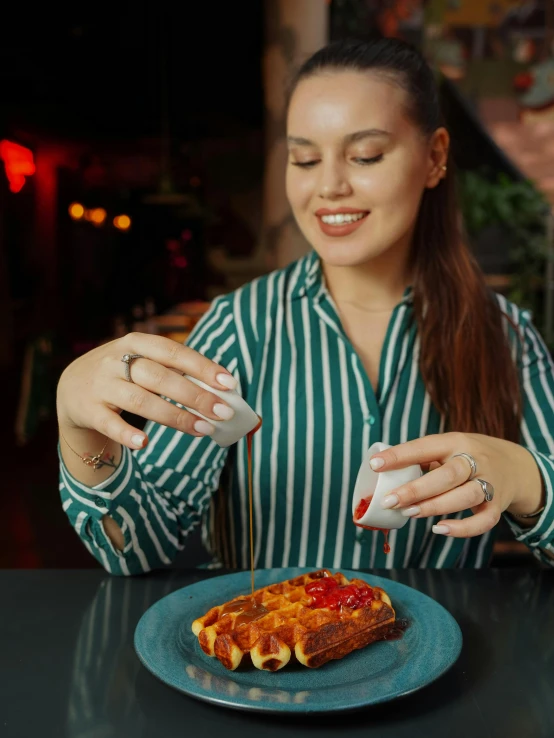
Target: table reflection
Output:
{"points": [[222, 686], [102, 695], [103, 691]]}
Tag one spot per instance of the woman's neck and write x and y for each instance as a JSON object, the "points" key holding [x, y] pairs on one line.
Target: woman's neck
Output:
{"points": [[376, 286]]}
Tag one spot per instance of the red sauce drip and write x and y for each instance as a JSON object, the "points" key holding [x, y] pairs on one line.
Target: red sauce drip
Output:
{"points": [[396, 630], [361, 509], [249, 437], [327, 592]]}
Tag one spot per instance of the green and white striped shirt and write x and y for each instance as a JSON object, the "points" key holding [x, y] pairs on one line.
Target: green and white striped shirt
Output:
{"points": [[282, 338]]}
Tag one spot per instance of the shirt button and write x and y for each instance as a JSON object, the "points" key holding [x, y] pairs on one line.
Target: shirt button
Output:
{"points": [[370, 419], [99, 502]]}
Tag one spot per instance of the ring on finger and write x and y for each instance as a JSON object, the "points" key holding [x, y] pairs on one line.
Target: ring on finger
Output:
{"points": [[473, 464], [488, 489], [128, 359]]}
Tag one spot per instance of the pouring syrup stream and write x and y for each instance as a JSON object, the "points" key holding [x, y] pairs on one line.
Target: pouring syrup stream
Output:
{"points": [[247, 607], [249, 437]]}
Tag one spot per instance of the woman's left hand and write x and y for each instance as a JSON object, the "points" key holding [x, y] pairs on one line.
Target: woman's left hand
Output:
{"points": [[447, 488]]}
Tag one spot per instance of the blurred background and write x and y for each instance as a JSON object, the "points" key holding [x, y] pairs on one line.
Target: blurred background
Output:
{"points": [[142, 159]]}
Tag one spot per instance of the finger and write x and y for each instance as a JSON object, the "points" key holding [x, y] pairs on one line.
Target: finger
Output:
{"points": [[439, 447], [465, 497], [176, 355], [112, 425], [446, 477], [430, 467], [160, 380], [135, 399], [485, 517]]}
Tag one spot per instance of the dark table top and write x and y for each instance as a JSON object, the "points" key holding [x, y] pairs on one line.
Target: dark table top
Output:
{"points": [[68, 667]]}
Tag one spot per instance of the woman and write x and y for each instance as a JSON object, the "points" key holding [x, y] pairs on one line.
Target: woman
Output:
{"points": [[386, 331]]}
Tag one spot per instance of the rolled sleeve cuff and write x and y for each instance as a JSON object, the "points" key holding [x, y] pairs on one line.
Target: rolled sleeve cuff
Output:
{"points": [[541, 535], [104, 497]]}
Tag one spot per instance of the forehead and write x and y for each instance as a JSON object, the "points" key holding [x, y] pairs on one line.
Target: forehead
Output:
{"points": [[338, 102]]}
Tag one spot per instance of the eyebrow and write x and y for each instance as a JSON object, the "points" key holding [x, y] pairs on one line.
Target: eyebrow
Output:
{"points": [[349, 138]]}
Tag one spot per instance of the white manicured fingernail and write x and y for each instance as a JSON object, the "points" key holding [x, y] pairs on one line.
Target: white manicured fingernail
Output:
{"points": [[376, 463], [441, 530], [223, 411], [409, 512], [138, 440], [389, 502], [205, 428], [227, 381]]}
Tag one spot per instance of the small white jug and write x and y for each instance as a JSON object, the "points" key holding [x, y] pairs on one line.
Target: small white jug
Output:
{"points": [[230, 431], [377, 485]]}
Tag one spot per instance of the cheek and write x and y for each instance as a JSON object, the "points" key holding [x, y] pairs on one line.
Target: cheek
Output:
{"points": [[395, 188], [299, 186]]}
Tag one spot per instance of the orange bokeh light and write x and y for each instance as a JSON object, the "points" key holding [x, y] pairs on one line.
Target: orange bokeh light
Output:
{"points": [[76, 210], [96, 216], [122, 222]]}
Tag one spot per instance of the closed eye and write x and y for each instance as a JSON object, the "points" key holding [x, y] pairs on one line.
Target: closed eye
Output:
{"points": [[364, 162], [358, 160], [305, 164]]}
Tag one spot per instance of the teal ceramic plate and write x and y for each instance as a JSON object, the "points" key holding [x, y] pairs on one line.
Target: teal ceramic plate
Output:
{"points": [[380, 672]]}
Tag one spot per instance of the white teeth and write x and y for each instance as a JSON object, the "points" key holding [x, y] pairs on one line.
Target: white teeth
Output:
{"points": [[342, 218]]}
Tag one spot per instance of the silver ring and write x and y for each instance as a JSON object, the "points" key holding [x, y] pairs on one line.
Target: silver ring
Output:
{"points": [[472, 463], [488, 489], [128, 359]]}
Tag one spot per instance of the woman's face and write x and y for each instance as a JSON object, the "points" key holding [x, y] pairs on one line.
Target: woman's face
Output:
{"points": [[357, 165]]}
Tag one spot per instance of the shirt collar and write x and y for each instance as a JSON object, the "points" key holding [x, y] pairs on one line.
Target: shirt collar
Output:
{"points": [[309, 276], [312, 283]]}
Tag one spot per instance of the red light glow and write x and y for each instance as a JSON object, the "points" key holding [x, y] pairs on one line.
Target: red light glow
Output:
{"points": [[18, 162]]}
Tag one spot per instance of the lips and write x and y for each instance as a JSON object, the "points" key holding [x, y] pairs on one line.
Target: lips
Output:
{"points": [[340, 222]]}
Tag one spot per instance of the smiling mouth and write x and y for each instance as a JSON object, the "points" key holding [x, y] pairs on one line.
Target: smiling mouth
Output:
{"points": [[342, 218], [340, 224]]}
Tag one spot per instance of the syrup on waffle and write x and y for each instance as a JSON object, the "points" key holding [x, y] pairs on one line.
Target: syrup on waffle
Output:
{"points": [[313, 618]]}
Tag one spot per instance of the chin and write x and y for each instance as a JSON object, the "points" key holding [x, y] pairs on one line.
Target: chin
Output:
{"points": [[344, 254]]}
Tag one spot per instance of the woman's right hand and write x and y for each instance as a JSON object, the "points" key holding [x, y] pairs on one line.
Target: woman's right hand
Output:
{"points": [[93, 390]]}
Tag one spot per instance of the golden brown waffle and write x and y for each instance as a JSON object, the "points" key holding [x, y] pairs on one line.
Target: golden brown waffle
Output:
{"points": [[314, 635]]}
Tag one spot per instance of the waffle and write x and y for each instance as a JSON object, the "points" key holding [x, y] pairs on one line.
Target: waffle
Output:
{"points": [[311, 626]]}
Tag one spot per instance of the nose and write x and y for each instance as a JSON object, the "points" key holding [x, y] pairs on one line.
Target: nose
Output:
{"points": [[334, 182]]}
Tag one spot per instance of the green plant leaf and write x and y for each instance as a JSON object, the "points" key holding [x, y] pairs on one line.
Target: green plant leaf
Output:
{"points": [[488, 199]]}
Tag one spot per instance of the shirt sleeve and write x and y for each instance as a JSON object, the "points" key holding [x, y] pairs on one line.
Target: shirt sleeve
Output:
{"points": [[156, 495], [537, 429]]}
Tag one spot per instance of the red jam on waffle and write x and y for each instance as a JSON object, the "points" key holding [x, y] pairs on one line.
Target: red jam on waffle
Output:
{"points": [[327, 592]]}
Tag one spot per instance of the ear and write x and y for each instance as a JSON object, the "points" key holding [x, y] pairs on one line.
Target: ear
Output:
{"points": [[438, 157]]}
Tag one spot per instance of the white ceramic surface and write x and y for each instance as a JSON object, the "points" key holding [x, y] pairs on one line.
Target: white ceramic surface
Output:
{"points": [[380, 484], [244, 420]]}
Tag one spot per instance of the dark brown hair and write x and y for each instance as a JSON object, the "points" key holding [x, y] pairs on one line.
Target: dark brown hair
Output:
{"points": [[465, 358]]}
